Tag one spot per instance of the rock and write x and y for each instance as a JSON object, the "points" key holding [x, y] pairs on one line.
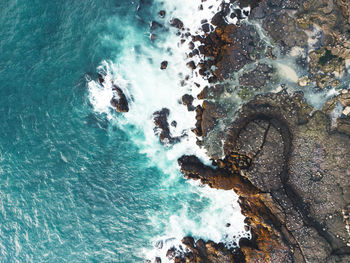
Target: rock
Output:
{"points": [[119, 102], [100, 78], [155, 25], [289, 167], [212, 92], [157, 260], [162, 13], [191, 65], [202, 252], [164, 65], [343, 125], [198, 130], [220, 178], [256, 78], [153, 37], [345, 99], [304, 81], [162, 127], [177, 23], [346, 111], [187, 101], [211, 112], [324, 65], [283, 29], [301, 169]]}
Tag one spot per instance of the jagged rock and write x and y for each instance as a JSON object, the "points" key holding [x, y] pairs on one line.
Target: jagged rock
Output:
{"points": [[289, 168], [119, 102], [324, 65], [162, 126], [211, 112], [154, 25], [201, 251]]}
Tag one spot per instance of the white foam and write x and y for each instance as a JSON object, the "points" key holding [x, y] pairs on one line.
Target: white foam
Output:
{"points": [[149, 89], [210, 224]]}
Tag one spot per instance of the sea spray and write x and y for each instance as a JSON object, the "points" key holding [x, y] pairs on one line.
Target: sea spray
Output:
{"points": [[148, 89]]}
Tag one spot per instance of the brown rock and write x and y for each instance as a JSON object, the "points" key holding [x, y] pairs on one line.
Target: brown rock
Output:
{"points": [[119, 102], [164, 65], [176, 23]]}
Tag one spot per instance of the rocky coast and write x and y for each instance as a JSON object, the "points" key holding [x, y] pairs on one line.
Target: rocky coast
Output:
{"points": [[288, 161], [286, 156]]}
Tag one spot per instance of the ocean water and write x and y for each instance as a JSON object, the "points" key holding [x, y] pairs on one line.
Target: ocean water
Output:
{"points": [[78, 181]]}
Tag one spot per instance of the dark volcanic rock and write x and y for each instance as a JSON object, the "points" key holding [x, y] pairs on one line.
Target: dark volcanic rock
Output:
{"points": [[155, 25], [119, 102], [162, 126], [164, 65], [238, 51], [289, 167]]}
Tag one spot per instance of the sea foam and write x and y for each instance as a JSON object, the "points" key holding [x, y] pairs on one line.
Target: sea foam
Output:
{"points": [[148, 89]]}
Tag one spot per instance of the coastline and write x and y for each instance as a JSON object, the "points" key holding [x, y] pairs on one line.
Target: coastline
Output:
{"points": [[257, 67]]}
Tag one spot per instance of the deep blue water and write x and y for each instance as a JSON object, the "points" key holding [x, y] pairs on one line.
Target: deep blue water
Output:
{"points": [[74, 187]]}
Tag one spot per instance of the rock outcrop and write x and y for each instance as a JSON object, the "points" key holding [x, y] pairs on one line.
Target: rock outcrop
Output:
{"points": [[162, 128], [292, 175], [119, 101]]}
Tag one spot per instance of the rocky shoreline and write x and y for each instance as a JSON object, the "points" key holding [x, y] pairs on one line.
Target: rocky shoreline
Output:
{"points": [[288, 162]]}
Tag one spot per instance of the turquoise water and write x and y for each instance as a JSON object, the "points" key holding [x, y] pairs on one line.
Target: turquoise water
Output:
{"points": [[74, 185]]}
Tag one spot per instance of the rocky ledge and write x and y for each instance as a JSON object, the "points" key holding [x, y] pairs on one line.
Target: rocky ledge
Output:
{"points": [[292, 173]]}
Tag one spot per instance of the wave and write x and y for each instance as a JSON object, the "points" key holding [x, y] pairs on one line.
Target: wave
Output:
{"points": [[148, 88]]}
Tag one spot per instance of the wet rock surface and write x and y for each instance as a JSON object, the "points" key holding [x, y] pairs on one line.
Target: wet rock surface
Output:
{"points": [[119, 101], [201, 251], [162, 128]]}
